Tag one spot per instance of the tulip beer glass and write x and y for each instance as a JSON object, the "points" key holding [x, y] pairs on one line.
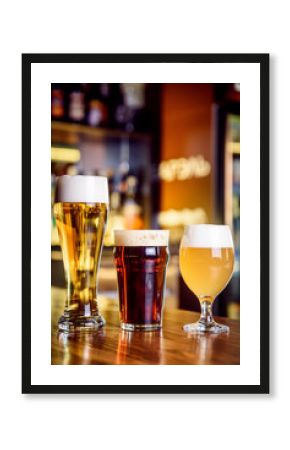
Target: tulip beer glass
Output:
{"points": [[206, 263], [80, 211]]}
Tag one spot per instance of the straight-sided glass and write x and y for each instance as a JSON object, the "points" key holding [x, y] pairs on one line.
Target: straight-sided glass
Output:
{"points": [[80, 210], [141, 258]]}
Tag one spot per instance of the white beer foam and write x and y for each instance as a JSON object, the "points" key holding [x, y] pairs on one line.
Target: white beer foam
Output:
{"points": [[207, 236], [82, 189], [141, 238]]}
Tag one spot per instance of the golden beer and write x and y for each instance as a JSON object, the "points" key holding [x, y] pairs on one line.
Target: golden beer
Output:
{"points": [[206, 271], [206, 260], [81, 226]]}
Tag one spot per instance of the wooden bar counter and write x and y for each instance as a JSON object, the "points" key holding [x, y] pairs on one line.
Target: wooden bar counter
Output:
{"points": [[170, 345]]}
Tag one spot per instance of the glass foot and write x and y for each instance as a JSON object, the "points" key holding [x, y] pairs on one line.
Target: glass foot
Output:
{"points": [[200, 327], [81, 323]]}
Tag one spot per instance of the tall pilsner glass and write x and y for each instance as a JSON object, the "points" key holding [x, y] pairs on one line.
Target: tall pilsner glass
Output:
{"points": [[206, 264], [80, 210]]}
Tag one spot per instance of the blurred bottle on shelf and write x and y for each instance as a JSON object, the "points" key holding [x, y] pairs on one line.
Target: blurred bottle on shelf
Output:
{"points": [[57, 102], [97, 105], [76, 103], [132, 211], [106, 94], [130, 113]]}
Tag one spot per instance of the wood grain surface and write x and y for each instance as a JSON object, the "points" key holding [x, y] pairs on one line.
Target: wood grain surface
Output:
{"points": [[170, 345]]}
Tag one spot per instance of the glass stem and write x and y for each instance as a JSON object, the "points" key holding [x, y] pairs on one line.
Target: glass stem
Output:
{"points": [[206, 316]]}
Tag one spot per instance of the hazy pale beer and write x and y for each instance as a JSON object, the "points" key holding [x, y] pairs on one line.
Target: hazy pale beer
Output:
{"points": [[206, 271], [141, 258], [206, 261], [80, 210]]}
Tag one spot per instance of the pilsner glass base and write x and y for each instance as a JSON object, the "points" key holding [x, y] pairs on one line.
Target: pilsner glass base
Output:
{"points": [[81, 323], [138, 327], [201, 327]]}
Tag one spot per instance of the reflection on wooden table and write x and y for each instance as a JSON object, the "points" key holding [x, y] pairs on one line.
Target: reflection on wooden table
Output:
{"points": [[111, 345]]}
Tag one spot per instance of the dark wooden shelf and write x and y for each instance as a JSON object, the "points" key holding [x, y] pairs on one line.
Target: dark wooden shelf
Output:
{"points": [[73, 134]]}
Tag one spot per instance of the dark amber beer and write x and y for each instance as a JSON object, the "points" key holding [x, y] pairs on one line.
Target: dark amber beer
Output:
{"points": [[80, 211], [141, 258]]}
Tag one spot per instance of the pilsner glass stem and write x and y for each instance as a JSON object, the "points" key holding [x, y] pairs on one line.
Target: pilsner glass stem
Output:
{"points": [[206, 316]]}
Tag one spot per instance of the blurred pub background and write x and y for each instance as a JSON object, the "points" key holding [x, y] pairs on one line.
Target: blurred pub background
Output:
{"points": [[171, 153]]}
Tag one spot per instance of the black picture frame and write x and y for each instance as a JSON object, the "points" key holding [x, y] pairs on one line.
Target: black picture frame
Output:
{"points": [[27, 61]]}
